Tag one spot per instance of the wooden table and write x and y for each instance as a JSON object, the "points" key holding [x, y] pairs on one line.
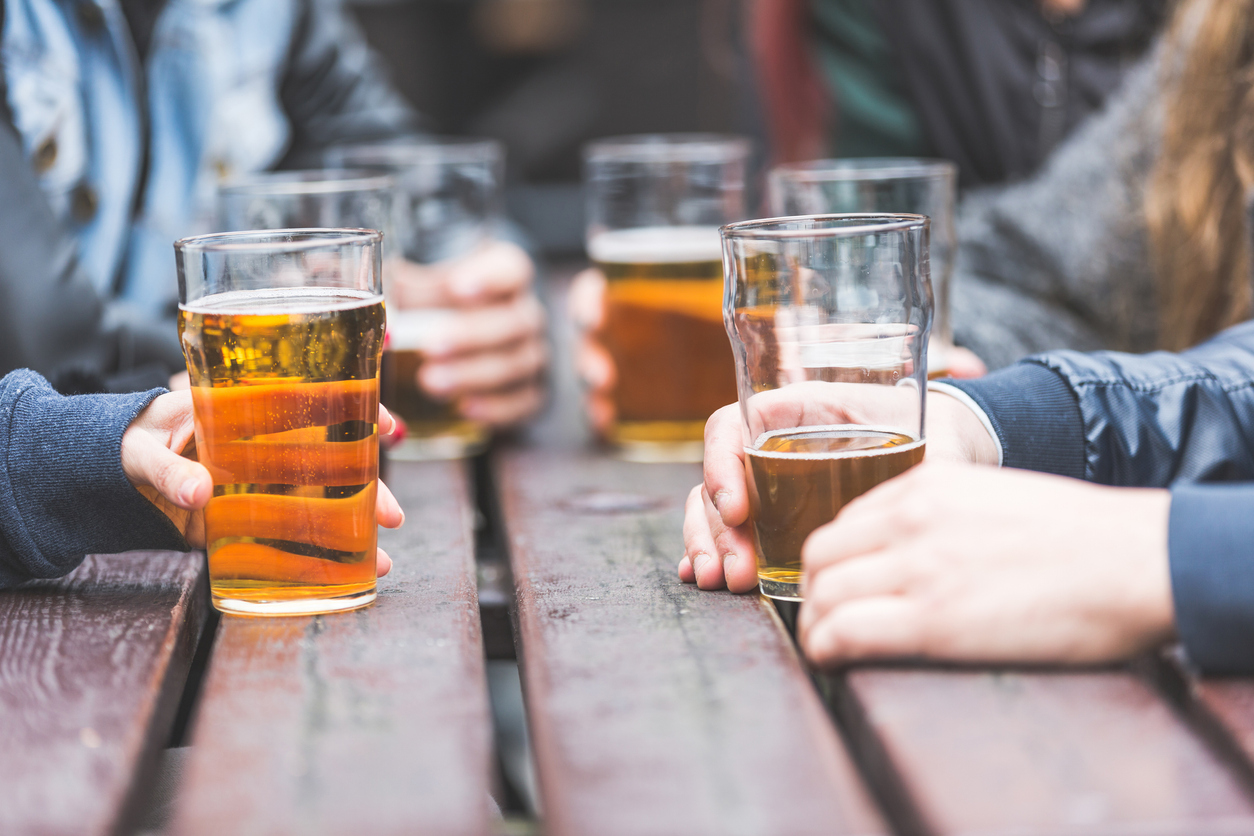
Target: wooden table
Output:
{"points": [[653, 708]]}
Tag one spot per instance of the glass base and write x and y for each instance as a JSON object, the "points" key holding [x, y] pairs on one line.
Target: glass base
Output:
{"points": [[659, 441], [298, 606], [779, 590], [437, 448], [654, 452]]}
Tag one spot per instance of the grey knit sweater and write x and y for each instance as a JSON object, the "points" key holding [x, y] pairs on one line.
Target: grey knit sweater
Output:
{"points": [[1062, 260]]}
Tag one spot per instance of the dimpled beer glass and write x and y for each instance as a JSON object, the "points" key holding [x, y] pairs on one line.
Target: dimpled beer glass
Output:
{"points": [[829, 318], [883, 184], [283, 332], [654, 207], [448, 194]]}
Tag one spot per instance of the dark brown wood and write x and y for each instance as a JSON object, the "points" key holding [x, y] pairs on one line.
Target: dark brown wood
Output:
{"points": [[654, 707], [1083, 752], [91, 670], [374, 721]]}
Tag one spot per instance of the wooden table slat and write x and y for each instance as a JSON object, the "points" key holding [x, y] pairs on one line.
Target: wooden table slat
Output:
{"points": [[1045, 752], [655, 707], [372, 721], [91, 670]]}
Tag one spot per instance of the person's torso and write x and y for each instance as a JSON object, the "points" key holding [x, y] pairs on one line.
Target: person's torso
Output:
{"points": [[207, 95]]}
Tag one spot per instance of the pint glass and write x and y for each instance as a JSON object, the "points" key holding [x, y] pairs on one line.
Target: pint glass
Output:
{"points": [[654, 207], [884, 184], [448, 195], [307, 199], [829, 319], [282, 331]]}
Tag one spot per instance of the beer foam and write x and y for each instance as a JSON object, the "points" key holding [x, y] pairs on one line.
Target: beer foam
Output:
{"points": [[657, 245], [842, 429], [410, 329], [283, 300]]}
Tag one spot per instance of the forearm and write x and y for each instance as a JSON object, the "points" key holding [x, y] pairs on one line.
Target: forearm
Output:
{"points": [[63, 492], [1135, 420], [335, 91]]}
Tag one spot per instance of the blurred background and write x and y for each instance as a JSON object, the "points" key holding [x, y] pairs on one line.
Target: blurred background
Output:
{"points": [[545, 76]]}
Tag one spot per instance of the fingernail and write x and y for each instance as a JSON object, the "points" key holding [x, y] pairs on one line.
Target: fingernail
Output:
{"points": [[699, 560], [718, 500], [467, 288], [728, 560], [402, 510], [187, 493], [437, 380]]}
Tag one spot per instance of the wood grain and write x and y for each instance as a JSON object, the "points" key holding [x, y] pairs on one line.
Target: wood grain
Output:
{"points": [[371, 721], [91, 670], [1044, 752], [654, 707]]}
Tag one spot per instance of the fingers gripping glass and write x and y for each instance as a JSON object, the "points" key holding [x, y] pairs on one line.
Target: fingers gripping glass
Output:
{"points": [[829, 318]]}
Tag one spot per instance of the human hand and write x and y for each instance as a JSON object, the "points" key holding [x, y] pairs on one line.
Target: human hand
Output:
{"points": [[967, 564], [488, 353], [963, 363], [586, 307], [718, 536], [181, 487]]}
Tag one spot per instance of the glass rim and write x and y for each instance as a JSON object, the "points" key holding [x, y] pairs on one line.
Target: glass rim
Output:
{"points": [[865, 168], [843, 225], [307, 182], [438, 149], [278, 240], [668, 147]]}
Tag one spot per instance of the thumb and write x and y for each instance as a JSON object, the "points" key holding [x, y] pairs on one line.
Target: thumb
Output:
{"points": [[147, 461]]}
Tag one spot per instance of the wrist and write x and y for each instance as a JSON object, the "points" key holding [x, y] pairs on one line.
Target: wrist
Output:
{"points": [[957, 430]]}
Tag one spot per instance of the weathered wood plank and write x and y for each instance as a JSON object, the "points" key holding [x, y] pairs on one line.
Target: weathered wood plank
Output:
{"points": [[373, 721], [1039, 752], [91, 670], [654, 707]]}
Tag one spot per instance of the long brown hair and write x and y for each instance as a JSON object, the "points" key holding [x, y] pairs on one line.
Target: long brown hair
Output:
{"points": [[1195, 201]]}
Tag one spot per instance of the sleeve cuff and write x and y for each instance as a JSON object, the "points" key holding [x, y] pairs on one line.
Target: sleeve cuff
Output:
{"points": [[1209, 534], [1034, 415]]}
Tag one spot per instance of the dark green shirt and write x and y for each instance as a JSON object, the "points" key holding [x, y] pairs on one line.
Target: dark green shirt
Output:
{"points": [[875, 116]]}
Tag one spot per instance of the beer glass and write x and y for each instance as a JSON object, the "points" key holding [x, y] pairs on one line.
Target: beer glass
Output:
{"points": [[308, 199], [885, 184], [283, 331], [829, 318], [448, 195], [654, 206]]}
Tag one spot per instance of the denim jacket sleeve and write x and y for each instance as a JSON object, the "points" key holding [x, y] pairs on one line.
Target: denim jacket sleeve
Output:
{"points": [[63, 493], [1184, 421]]}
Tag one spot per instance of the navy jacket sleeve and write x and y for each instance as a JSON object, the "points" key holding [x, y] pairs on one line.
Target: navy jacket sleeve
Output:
{"points": [[1149, 420], [63, 493], [1180, 420]]}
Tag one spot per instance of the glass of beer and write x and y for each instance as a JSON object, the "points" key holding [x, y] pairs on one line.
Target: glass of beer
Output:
{"points": [[829, 318], [283, 333], [308, 199], [883, 184], [654, 206], [448, 195]]}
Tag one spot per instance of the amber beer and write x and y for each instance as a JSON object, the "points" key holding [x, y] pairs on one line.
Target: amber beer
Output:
{"points": [[799, 479], [285, 386], [664, 330], [433, 428]]}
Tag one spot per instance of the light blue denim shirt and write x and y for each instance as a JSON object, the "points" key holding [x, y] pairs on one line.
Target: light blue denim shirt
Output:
{"points": [[214, 85]]}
